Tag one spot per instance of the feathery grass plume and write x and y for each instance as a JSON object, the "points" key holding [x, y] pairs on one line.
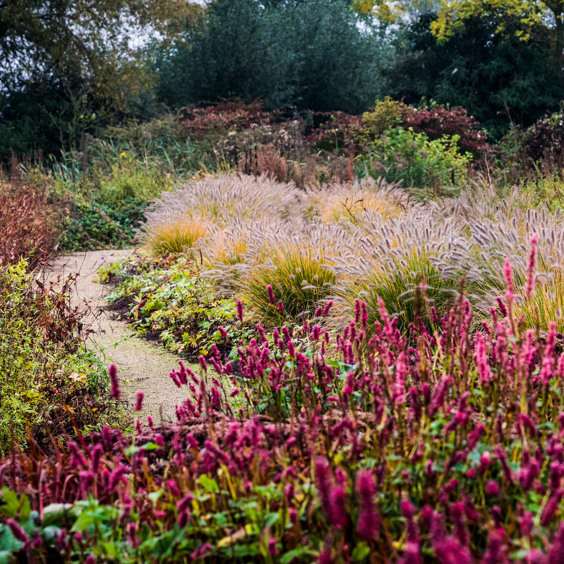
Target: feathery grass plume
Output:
{"points": [[220, 198], [348, 201], [175, 238], [228, 250]]}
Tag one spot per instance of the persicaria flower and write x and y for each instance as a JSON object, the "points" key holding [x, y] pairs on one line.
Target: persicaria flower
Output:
{"points": [[367, 525], [271, 295], [17, 531], [272, 547], [139, 400], [530, 288], [115, 391], [492, 489], [508, 275], [550, 509], [240, 310], [293, 515], [203, 363]]}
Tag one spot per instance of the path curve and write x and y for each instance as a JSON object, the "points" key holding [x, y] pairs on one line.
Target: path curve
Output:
{"points": [[141, 364]]}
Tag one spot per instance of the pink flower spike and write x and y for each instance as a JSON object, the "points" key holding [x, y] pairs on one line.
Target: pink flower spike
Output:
{"points": [[367, 525], [530, 288], [139, 400], [203, 363], [115, 391], [271, 296], [508, 275]]}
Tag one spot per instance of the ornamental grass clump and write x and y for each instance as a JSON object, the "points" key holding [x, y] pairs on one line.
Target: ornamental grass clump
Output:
{"points": [[379, 445], [290, 284], [178, 237], [410, 287]]}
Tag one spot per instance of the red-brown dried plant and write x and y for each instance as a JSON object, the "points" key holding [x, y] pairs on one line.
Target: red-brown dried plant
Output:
{"points": [[28, 222]]}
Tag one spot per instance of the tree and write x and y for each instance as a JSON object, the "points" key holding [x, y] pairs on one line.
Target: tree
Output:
{"points": [[452, 15], [315, 54], [498, 78], [526, 13], [81, 53]]}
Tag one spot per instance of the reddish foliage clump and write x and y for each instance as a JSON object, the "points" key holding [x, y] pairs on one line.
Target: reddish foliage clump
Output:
{"points": [[439, 121], [28, 222], [226, 116]]}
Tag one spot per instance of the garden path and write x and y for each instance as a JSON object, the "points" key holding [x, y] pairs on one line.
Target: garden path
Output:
{"points": [[141, 365]]}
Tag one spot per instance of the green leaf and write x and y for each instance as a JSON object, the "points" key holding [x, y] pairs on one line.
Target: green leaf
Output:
{"points": [[208, 484], [299, 553], [360, 552], [8, 542], [13, 506], [55, 512], [85, 520]]}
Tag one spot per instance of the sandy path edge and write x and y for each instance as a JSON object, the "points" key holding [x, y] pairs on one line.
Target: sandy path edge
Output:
{"points": [[141, 365]]}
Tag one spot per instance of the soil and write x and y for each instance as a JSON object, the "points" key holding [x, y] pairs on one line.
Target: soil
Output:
{"points": [[141, 364]]}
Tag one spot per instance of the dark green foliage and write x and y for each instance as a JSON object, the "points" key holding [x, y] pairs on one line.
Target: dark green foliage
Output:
{"points": [[498, 79], [94, 225], [544, 141], [31, 121], [311, 54]]}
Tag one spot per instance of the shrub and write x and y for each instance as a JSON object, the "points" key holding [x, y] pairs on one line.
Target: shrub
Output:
{"points": [[438, 122], [49, 383], [432, 166], [338, 132], [225, 117], [106, 202], [386, 114], [28, 222], [543, 144]]}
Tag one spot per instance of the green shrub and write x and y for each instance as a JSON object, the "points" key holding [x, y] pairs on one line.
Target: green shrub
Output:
{"points": [[49, 383], [432, 166], [318, 55], [106, 203], [386, 114]]}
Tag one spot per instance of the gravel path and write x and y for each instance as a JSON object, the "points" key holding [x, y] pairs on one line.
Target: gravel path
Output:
{"points": [[141, 365]]}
